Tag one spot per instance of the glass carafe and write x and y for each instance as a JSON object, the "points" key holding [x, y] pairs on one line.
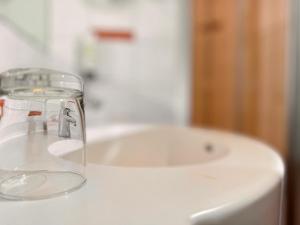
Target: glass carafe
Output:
{"points": [[42, 134]]}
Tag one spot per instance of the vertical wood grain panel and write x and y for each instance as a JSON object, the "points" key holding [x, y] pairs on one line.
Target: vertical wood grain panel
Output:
{"points": [[214, 67], [249, 69], [273, 104], [240, 67]]}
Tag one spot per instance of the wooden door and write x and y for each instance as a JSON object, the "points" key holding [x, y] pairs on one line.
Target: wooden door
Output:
{"points": [[240, 74]]}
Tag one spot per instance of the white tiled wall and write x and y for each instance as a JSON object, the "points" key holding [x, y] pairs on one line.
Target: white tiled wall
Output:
{"points": [[148, 76]]}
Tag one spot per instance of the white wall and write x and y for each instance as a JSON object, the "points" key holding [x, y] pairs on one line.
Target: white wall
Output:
{"points": [[149, 74]]}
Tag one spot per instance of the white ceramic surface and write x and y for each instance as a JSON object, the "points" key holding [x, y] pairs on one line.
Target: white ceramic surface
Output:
{"points": [[165, 176]]}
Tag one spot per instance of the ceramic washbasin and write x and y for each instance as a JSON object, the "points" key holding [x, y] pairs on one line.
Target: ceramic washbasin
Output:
{"points": [[144, 175]]}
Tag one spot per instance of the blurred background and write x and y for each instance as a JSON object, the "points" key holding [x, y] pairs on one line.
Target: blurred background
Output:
{"points": [[133, 55], [229, 65]]}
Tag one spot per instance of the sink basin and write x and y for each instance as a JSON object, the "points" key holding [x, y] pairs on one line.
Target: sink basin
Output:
{"points": [[165, 176], [163, 147]]}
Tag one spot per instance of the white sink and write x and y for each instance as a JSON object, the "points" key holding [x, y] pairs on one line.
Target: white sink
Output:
{"points": [[165, 176], [163, 147]]}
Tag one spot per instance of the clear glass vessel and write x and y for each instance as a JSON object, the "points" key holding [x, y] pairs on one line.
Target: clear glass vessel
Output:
{"points": [[42, 134]]}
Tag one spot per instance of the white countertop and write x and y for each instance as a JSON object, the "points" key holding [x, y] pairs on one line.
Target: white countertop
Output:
{"points": [[157, 195]]}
